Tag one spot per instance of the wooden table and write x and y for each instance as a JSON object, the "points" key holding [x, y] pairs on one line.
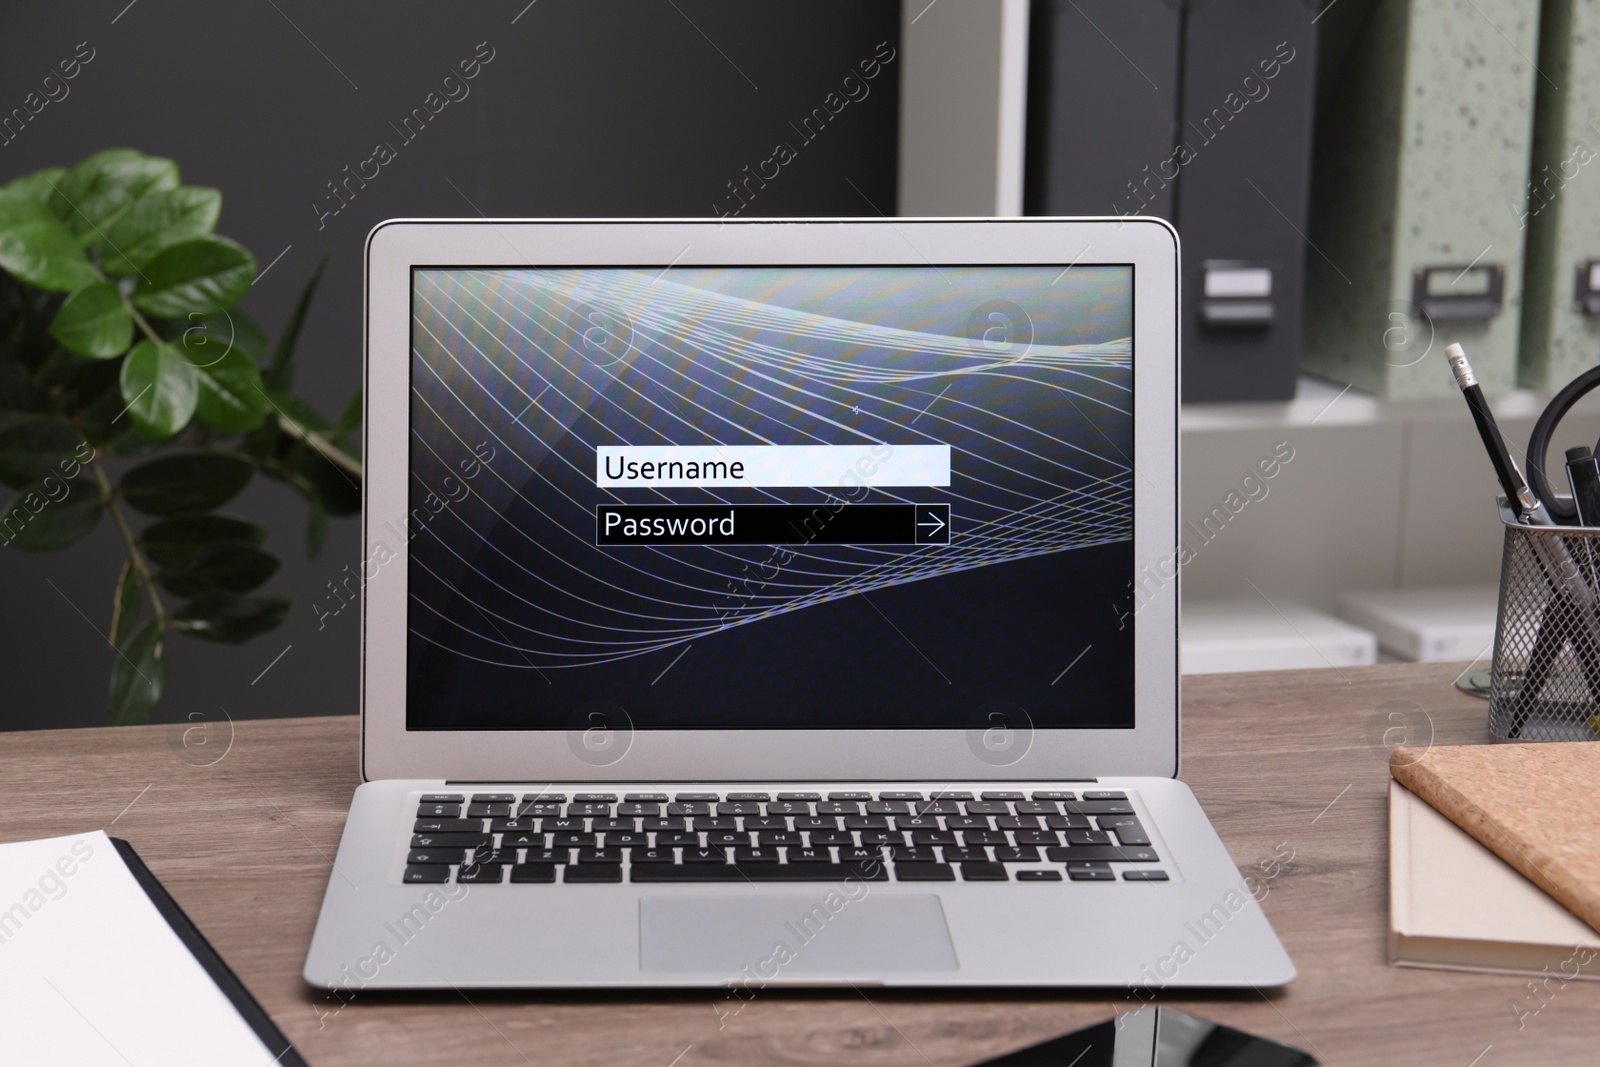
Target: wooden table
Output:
{"points": [[1284, 761]]}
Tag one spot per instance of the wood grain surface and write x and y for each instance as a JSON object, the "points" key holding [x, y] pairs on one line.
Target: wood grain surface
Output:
{"points": [[241, 824], [1535, 806]]}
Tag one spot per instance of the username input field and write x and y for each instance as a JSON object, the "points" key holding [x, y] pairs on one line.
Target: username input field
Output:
{"points": [[771, 466]]}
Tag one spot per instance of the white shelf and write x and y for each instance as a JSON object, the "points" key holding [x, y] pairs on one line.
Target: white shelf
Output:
{"points": [[1321, 403]]}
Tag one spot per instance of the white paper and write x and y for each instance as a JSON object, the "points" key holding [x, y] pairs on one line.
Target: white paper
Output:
{"points": [[91, 974]]}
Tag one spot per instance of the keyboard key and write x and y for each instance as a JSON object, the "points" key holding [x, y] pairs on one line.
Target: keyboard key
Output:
{"points": [[760, 798], [984, 837], [493, 798], [1145, 875], [912, 854], [426, 873], [1101, 853], [652, 855], [557, 825], [689, 808], [932, 837], [788, 807], [860, 855], [599, 855], [1038, 837], [765, 822], [521, 840], [439, 811], [776, 838], [967, 822], [987, 807], [937, 807], [594, 872], [1132, 835], [1037, 807], [1038, 876], [850, 796], [572, 839], [544, 798], [435, 855], [703, 823], [924, 872], [838, 807], [443, 798], [594, 798], [760, 872], [810, 855], [1017, 822], [815, 822], [916, 822], [626, 839], [500, 826], [837, 837], [888, 807], [606, 826], [1101, 807], [586, 809], [984, 872], [963, 797], [704, 855], [1087, 837], [879, 837], [1053, 794], [800, 798], [738, 807], [726, 838], [548, 855], [696, 798], [966, 855], [489, 811], [1103, 794], [1072, 821], [755, 855], [677, 839], [533, 872], [638, 808], [1091, 874], [446, 826], [1021, 854], [898, 795], [481, 873], [645, 798], [448, 840], [538, 809], [664, 824], [1004, 794], [865, 822]]}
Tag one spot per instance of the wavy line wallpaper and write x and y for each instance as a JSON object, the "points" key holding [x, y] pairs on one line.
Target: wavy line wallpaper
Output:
{"points": [[517, 618]]}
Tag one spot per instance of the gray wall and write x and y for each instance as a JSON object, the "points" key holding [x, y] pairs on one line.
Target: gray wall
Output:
{"points": [[607, 108]]}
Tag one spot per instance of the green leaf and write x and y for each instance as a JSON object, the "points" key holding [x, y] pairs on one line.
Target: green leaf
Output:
{"points": [[91, 197], [280, 373], [50, 514], [94, 322], [203, 274], [225, 567], [138, 676], [208, 335], [316, 529], [228, 618], [189, 481], [172, 541], [40, 185], [161, 389], [35, 247], [34, 448], [125, 603], [231, 397], [349, 418], [157, 220]]}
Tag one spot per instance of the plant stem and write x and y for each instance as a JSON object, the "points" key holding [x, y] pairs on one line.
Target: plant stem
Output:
{"points": [[329, 451], [140, 567]]}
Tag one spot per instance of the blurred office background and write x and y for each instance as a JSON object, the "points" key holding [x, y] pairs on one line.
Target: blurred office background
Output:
{"points": [[1351, 179]]}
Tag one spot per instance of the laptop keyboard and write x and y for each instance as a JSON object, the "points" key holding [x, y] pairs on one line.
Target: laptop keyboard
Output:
{"points": [[758, 836]]}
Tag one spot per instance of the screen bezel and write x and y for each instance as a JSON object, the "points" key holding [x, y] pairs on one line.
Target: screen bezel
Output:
{"points": [[394, 248]]}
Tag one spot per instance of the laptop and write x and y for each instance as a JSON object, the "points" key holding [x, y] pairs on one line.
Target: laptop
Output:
{"points": [[775, 602]]}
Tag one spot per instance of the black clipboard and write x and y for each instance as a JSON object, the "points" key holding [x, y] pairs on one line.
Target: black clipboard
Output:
{"points": [[201, 949]]}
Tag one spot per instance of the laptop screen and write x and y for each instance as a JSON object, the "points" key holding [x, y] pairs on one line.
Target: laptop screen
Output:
{"points": [[769, 497]]}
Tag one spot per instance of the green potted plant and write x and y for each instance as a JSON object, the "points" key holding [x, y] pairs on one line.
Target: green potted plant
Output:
{"points": [[132, 386]]}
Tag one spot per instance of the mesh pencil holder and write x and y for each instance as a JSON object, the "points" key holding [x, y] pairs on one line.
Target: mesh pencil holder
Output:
{"points": [[1545, 685]]}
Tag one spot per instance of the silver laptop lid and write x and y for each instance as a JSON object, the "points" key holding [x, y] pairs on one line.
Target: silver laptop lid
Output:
{"points": [[770, 499]]}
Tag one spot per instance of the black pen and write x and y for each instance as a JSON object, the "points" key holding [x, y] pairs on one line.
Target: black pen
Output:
{"points": [[1529, 511]]}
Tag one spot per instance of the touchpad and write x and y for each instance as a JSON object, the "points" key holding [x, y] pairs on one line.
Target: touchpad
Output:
{"points": [[771, 938]]}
